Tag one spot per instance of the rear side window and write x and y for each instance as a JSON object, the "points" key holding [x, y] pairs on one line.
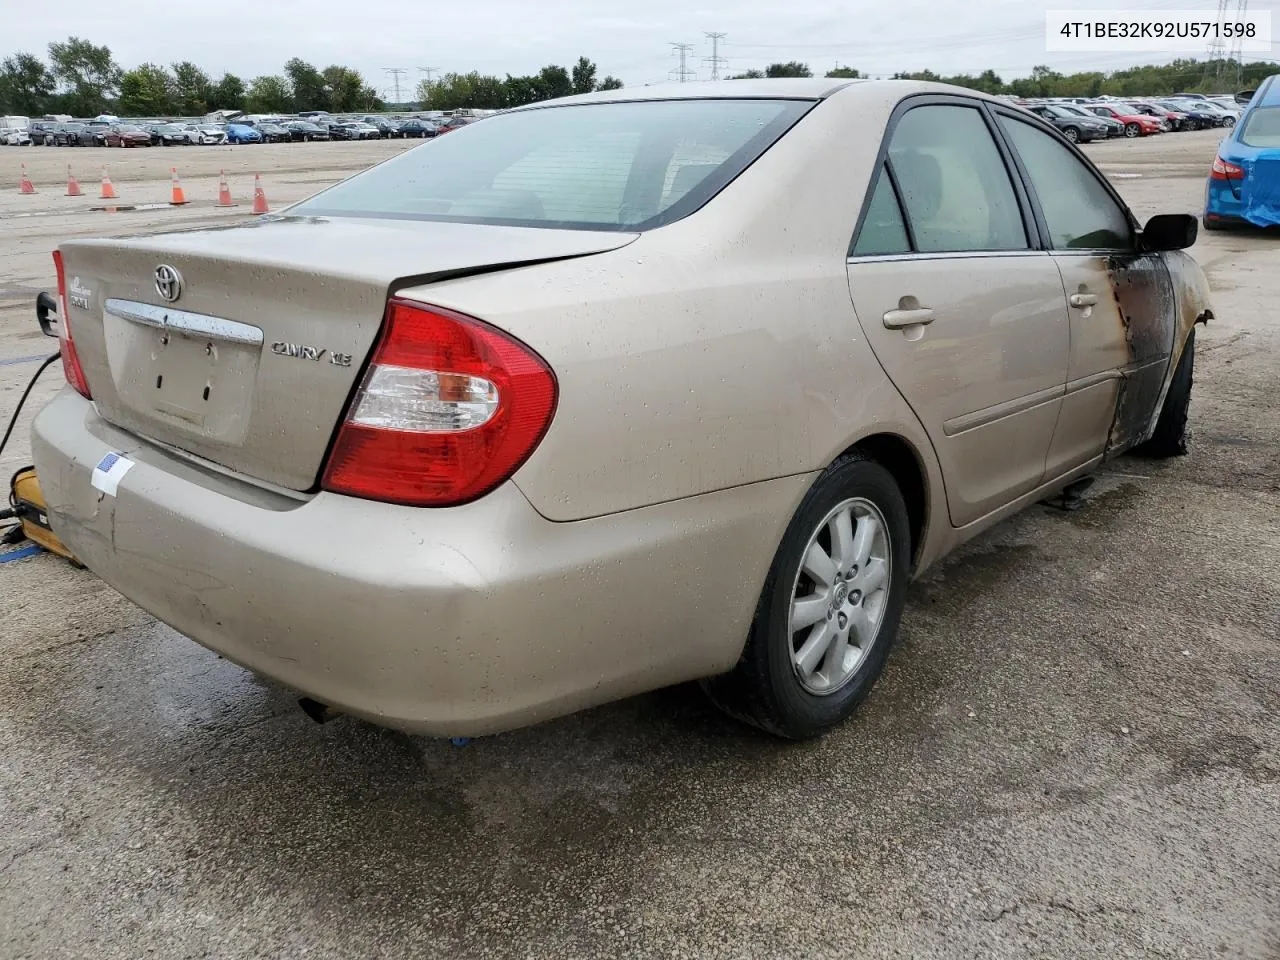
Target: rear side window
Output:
{"points": [[956, 190], [1080, 213], [883, 231], [610, 166], [1261, 128]]}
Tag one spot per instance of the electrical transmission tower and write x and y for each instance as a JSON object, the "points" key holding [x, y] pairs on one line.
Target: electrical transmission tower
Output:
{"points": [[1216, 64], [1237, 44], [396, 73], [684, 71], [715, 59], [428, 71]]}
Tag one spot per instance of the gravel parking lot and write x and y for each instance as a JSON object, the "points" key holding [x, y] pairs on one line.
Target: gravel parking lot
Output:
{"points": [[1072, 754]]}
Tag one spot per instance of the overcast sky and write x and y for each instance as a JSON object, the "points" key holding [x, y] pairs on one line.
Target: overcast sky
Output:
{"points": [[627, 38]]}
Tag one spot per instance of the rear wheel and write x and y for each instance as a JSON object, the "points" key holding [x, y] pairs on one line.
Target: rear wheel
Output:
{"points": [[1132, 130], [1072, 134], [829, 610], [1229, 122], [1170, 437]]}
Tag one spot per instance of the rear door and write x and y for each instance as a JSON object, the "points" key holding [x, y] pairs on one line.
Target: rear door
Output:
{"points": [[1121, 300], [965, 315]]}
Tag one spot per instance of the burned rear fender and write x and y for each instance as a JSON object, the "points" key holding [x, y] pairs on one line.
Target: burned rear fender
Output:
{"points": [[1191, 305]]}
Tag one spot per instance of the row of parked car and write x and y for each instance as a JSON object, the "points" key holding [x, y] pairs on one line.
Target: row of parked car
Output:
{"points": [[1082, 119], [102, 133]]}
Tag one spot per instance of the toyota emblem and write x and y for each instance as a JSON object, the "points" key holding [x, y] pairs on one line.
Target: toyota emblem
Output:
{"points": [[168, 282]]}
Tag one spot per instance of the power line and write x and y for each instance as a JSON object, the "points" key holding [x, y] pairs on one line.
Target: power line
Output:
{"points": [[715, 59], [396, 73], [683, 72]]}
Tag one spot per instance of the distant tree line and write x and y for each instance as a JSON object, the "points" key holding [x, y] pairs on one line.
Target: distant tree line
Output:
{"points": [[484, 92], [83, 80], [1180, 76]]}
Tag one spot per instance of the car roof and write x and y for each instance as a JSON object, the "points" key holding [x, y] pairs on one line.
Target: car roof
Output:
{"points": [[1270, 92], [815, 88]]}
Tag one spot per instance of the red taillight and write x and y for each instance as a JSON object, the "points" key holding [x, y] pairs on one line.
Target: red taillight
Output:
{"points": [[1225, 171], [449, 408], [71, 368]]}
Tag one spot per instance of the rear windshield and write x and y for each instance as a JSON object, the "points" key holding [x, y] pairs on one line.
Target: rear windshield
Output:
{"points": [[604, 166], [1262, 128]]}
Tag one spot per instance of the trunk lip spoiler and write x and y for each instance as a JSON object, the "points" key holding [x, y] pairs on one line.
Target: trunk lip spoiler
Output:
{"points": [[184, 322]]}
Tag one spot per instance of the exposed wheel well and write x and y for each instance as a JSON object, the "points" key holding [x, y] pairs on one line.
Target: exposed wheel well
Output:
{"points": [[899, 458]]}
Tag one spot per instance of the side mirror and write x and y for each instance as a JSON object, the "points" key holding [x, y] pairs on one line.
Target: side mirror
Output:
{"points": [[1169, 231], [46, 304]]}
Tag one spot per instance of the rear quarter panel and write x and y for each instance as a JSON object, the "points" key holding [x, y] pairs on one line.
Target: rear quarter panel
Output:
{"points": [[717, 351]]}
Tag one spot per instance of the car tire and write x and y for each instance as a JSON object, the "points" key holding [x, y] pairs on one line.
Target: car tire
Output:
{"points": [[768, 688], [1132, 130], [1170, 436], [1229, 122], [1072, 134]]}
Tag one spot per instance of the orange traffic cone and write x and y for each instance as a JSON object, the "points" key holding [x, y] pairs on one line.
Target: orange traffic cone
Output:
{"points": [[259, 197], [224, 191], [73, 188], [177, 198], [25, 185], [108, 188]]}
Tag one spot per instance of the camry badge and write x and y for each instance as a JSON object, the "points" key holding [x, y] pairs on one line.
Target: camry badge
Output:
{"points": [[78, 294], [168, 282], [282, 348]]}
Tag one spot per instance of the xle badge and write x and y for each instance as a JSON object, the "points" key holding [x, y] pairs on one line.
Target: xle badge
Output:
{"points": [[302, 351]]}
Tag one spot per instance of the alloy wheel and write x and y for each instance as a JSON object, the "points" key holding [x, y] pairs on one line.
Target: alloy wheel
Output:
{"points": [[840, 595]]}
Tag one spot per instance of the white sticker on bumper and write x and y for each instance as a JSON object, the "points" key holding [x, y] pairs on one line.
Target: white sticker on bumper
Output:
{"points": [[108, 473]]}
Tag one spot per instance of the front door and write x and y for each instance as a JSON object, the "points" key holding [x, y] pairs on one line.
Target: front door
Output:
{"points": [[966, 318], [1121, 302]]}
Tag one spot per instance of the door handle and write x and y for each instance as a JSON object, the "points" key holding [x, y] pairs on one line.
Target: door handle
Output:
{"points": [[895, 319], [1083, 299]]}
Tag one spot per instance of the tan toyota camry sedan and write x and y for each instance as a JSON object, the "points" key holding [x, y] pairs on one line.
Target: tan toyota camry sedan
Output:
{"points": [[613, 392]]}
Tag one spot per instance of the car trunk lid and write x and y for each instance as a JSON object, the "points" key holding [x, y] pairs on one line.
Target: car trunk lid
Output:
{"points": [[251, 365]]}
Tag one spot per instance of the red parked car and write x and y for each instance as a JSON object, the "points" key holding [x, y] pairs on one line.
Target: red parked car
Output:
{"points": [[1135, 124], [126, 136], [453, 123]]}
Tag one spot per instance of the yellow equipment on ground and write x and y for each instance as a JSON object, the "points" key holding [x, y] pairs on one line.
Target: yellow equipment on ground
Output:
{"points": [[28, 505]]}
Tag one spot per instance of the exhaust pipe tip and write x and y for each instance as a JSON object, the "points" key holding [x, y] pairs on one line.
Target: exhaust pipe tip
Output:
{"points": [[317, 711]]}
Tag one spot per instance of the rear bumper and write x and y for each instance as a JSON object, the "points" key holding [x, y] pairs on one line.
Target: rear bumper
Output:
{"points": [[1221, 202], [459, 621]]}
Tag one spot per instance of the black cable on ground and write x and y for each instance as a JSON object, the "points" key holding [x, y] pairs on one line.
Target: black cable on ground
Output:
{"points": [[25, 393], [13, 420]]}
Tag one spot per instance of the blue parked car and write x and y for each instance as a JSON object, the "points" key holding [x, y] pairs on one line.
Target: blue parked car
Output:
{"points": [[1244, 185], [242, 133]]}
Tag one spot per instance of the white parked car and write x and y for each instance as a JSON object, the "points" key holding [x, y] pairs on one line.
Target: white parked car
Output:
{"points": [[15, 138], [207, 134]]}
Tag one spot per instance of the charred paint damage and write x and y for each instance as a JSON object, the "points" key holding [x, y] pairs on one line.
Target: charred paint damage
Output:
{"points": [[1159, 298]]}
